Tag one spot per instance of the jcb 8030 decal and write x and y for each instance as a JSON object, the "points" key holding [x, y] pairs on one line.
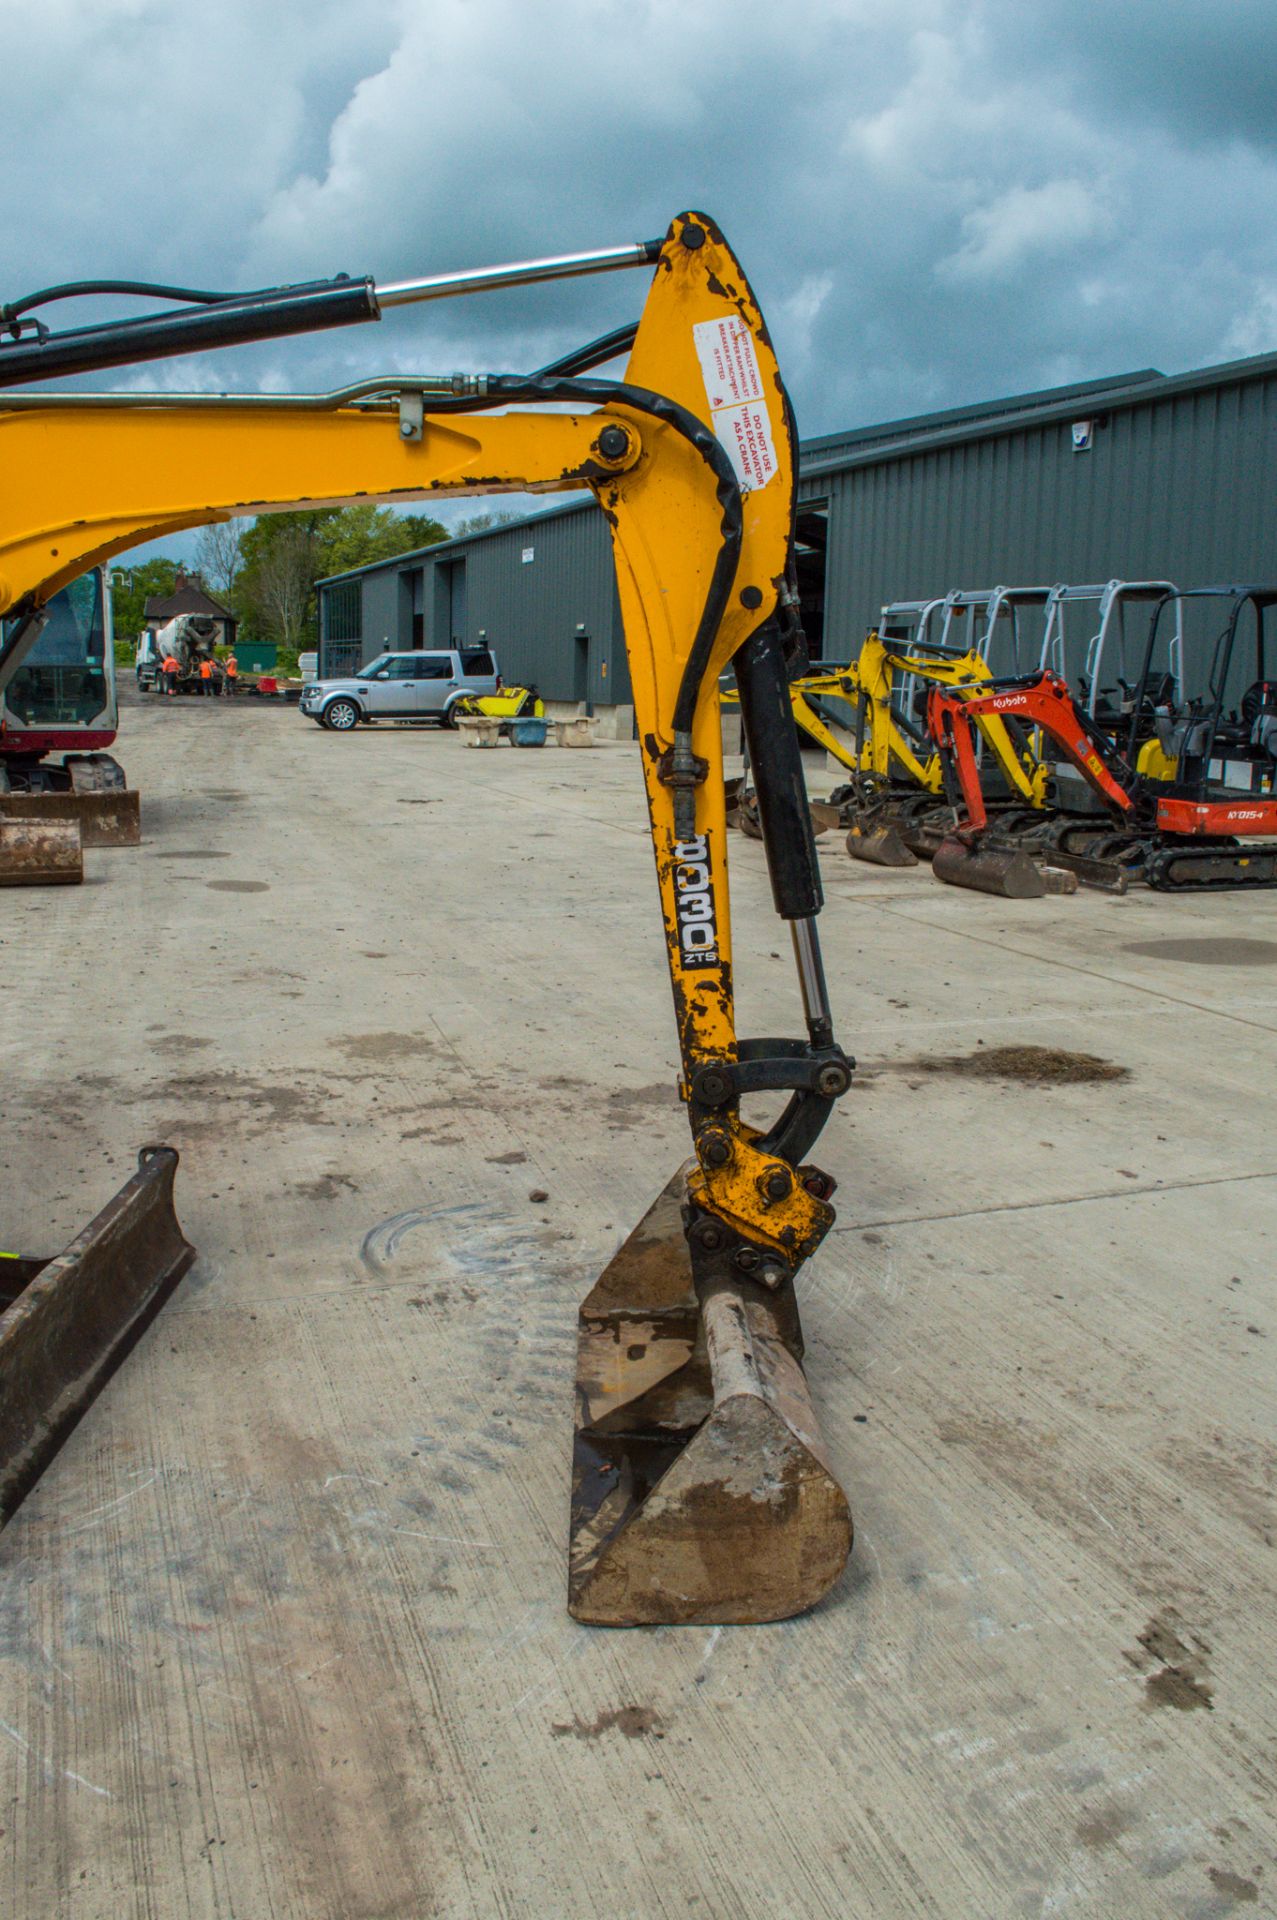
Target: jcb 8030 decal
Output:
{"points": [[694, 903]]}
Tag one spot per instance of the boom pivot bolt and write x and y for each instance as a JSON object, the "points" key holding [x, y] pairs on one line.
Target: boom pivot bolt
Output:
{"points": [[708, 1235], [614, 443], [833, 1080], [776, 1183]]}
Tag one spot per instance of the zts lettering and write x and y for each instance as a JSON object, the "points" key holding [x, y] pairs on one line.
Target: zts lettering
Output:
{"points": [[694, 902]]}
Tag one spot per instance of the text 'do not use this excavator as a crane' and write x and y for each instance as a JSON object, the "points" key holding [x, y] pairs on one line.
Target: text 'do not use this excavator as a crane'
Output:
{"points": [[702, 1489]]}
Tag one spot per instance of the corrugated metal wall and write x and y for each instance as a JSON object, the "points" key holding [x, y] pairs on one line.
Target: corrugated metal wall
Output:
{"points": [[552, 618], [1184, 488]]}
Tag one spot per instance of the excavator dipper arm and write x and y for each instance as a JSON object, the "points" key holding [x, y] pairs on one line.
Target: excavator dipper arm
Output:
{"points": [[701, 1486]]}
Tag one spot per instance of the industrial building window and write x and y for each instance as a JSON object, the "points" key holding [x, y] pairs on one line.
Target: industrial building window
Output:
{"points": [[344, 612]]}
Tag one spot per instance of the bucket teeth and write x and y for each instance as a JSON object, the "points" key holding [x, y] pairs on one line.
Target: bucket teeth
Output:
{"points": [[702, 1491]]}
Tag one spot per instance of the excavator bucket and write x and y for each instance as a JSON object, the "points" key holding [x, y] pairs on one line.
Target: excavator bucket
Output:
{"points": [[701, 1487], [1004, 871], [105, 817], [67, 1323], [880, 846], [40, 853]]}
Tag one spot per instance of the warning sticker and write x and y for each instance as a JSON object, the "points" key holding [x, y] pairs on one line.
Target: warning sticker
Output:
{"points": [[738, 408]]}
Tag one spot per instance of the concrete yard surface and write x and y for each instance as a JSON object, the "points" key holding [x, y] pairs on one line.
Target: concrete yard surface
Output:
{"points": [[282, 1629]]}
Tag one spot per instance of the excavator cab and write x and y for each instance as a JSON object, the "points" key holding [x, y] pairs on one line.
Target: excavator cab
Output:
{"points": [[1214, 739], [62, 701]]}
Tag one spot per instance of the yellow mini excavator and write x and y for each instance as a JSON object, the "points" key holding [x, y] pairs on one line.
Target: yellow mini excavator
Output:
{"points": [[894, 804], [702, 1490]]}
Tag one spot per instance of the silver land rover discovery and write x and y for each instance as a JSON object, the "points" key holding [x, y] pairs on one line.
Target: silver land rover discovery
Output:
{"points": [[408, 688]]}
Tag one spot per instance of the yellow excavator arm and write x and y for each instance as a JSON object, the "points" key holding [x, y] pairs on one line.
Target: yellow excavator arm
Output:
{"points": [[691, 457]]}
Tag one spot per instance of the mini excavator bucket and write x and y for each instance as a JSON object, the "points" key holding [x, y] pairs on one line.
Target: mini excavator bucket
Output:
{"points": [[701, 1489], [67, 1323], [1004, 871], [880, 846], [86, 792], [40, 853]]}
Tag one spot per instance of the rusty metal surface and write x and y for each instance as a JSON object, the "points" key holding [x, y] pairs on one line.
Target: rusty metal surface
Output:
{"points": [[77, 1316], [701, 1488], [39, 852], [106, 817], [880, 846], [1009, 874]]}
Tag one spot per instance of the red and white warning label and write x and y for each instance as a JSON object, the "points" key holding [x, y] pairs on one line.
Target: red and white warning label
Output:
{"points": [[738, 408]]}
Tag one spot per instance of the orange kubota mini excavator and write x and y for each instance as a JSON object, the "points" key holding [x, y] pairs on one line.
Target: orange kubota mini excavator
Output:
{"points": [[1175, 820], [702, 1490]]}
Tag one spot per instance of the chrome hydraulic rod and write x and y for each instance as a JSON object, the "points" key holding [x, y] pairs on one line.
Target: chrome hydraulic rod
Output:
{"points": [[811, 980], [441, 286]]}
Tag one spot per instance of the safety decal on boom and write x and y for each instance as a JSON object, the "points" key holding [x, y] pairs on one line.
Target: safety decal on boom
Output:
{"points": [[738, 406], [694, 903]]}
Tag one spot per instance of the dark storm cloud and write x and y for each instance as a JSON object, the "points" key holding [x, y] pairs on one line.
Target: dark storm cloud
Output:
{"points": [[936, 202]]}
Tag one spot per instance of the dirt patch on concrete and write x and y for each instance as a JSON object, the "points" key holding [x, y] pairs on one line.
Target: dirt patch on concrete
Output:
{"points": [[1205, 952], [193, 853], [662, 1094], [1041, 1066], [384, 1046], [633, 1722], [326, 1187], [1180, 1659], [1232, 1885], [238, 886]]}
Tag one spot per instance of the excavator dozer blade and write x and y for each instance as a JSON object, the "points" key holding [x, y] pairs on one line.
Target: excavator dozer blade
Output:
{"points": [[40, 853], [701, 1488], [880, 846], [67, 1323], [1004, 871], [109, 817]]}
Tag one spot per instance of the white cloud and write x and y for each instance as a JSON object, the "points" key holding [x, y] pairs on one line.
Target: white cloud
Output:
{"points": [[936, 202], [1005, 236]]}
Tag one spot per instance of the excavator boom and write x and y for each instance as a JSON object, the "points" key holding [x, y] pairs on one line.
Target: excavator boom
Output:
{"points": [[701, 1487]]}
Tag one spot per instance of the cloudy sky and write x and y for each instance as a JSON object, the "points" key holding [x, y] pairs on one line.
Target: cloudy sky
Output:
{"points": [[936, 202]]}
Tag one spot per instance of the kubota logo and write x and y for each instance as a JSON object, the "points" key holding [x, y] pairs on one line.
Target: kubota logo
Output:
{"points": [[694, 900], [1005, 700]]}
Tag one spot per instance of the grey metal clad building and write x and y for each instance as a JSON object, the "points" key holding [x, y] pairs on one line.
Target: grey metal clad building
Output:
{"points": [[1140, 477], [1136, 477], [540, 591]]}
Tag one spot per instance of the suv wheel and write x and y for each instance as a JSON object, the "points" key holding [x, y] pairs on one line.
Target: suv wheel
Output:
{"points": [[341, 715], [448, 718]]}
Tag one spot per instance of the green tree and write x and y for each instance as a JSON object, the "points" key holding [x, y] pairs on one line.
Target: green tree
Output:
{"points": [[132, 587], [284, 554]]}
